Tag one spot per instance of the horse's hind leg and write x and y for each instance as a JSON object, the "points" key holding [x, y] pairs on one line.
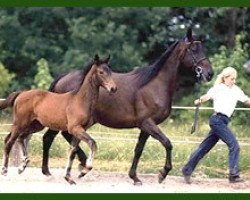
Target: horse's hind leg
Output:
{"points": [[25, 160], [137, 154], [151, 128], [23, 140], [9, 141]]}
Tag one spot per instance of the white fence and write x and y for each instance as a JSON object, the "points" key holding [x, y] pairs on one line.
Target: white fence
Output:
{"points": [[16, 152]]}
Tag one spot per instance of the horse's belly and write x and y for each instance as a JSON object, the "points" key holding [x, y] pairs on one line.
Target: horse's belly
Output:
{"points": [[115, 120], [54, 123]]}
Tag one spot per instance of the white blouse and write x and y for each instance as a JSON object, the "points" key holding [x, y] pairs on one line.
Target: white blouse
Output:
{"points": [[225, 98]]}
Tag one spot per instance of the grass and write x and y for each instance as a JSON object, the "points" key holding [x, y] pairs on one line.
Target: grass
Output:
{"points": [[116, 149]]}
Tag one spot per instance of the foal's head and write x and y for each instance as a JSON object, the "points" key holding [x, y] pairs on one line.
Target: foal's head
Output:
{"points": [[103, 74]]}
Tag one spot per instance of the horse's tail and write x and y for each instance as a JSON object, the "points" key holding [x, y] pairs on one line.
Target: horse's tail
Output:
{"points": [[9, 101]]}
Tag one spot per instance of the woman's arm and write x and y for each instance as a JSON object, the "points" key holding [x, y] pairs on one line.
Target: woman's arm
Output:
{"points": [[247, 102], [202, 99]]}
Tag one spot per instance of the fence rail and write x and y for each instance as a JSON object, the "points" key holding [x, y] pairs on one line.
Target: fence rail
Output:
{"points": [[135, 139]]}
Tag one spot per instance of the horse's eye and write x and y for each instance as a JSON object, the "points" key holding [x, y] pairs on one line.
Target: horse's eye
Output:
{"points": [[101, 72]]}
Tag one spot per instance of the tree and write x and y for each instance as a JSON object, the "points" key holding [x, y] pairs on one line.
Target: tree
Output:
{"points": [[43, 79]]}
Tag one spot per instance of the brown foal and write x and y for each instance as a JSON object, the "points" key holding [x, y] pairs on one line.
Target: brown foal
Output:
{"points": [[70, 112]]}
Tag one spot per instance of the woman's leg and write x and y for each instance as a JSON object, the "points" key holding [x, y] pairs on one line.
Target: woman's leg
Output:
{"points": [[206, 145], [226, 135]]}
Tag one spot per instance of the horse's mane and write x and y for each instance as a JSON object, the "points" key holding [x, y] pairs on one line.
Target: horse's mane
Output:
{"points": [[53, 84], [83, 71], [145, 74]]}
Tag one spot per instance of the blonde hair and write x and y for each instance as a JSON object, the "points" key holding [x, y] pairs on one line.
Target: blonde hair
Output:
{"points": [[226, 72]]}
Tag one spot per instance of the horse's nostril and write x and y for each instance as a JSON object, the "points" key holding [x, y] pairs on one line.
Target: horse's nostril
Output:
{"points": [[113, 89]]}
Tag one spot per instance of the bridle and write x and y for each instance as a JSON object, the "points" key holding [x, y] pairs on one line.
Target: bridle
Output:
{"points": [[197, 67]]}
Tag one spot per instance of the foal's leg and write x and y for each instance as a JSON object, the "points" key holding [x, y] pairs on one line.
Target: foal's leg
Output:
{"points": [[80, 153], [81, 134], [74, 145], [25, 160], [9, 141], [137, 154], [23, 140], [151, 128], [48, 139]]}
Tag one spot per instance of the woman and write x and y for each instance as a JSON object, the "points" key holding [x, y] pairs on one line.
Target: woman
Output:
{"points": [[225, 95]]}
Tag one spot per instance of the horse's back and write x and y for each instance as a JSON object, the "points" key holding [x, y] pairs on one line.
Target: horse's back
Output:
{"points": [[42, 105]]}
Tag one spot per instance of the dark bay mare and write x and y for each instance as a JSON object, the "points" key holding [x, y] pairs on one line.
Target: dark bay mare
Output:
{"points": [[71, 112], [143, 99]]}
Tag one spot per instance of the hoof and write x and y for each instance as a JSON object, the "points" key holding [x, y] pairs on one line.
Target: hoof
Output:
{"points": [[46, 172], [20, 171], [138, 183], [4, 171], [161, 176], [70, 181], [82, 174], [84, 171]]}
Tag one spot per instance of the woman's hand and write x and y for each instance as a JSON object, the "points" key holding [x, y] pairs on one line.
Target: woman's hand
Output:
{"points": [[197, 102]]}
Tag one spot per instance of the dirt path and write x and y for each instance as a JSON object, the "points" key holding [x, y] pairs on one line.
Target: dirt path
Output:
{"points": [[32, 181]]}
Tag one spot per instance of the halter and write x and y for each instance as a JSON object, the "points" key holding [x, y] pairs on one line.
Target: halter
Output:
{"points": [[197, 68]]}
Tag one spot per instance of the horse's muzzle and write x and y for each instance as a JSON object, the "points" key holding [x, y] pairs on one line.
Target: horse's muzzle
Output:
{"points": [[113, 89]]}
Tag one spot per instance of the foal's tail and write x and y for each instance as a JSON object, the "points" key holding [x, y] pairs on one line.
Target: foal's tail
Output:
{"points": [[9, 101]]}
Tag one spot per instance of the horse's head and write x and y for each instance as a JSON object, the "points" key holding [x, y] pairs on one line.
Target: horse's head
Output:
{"points": [[103, 74], [194, 59]]}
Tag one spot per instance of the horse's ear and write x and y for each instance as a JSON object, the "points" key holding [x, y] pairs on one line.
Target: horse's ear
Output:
{"points": [[189, 35], [107, 59], [96, 58]]}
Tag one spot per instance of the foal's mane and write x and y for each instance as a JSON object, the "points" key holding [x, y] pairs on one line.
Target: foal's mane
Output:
{"points": [[84, 71], [146, 74]]}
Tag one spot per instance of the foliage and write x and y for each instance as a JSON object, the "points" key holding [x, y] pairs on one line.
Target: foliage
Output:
{"points": [[43, 79], [68, 38], [5, 79]]}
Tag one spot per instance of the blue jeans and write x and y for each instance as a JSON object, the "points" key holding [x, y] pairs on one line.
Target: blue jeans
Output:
{"points": [[219, 130]]}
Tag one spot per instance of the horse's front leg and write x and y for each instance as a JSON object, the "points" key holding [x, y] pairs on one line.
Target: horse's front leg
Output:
{"points": [[80, 153], [93, 148], [152, 129], [137, 154], [74, 145], [79, 133], [25, 160]]}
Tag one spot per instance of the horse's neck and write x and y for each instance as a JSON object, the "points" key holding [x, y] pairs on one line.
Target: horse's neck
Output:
{"points": [[169, 71], [88, 93]]}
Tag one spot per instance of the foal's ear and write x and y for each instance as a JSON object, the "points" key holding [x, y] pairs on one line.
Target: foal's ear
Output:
{"points": [[107, 60], [96, 58]]}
